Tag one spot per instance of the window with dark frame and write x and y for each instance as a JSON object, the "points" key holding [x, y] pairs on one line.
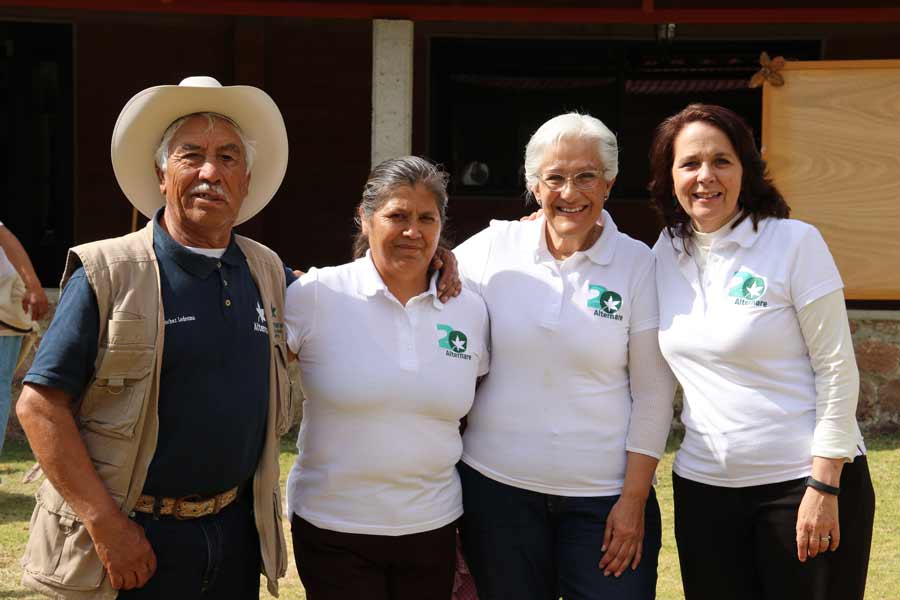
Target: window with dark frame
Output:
{"points": [[489, 95]]}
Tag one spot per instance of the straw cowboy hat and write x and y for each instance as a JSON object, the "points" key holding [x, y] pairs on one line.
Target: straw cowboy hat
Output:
{"points": [[141, 124]]}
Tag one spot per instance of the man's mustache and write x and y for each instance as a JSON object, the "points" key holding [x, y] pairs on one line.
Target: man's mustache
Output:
{"points": [[206, 188]]}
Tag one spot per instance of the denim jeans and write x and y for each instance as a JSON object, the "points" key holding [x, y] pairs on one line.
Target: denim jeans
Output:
{"points": [[524, 545], [9, 353], [215, 557]]}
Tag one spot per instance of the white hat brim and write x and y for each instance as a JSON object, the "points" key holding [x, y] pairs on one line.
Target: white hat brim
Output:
{"points": [[144, 119]]}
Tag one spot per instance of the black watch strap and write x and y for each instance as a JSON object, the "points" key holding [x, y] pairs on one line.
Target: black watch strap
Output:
{"points": [[822, 486]]}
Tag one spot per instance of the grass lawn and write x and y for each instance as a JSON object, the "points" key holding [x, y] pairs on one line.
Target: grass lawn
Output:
{"points": [[16, 502]]}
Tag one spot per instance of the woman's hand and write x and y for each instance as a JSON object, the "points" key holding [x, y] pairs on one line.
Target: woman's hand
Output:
{"points": [[624, 536], [623, 540], [448, 285], [817, 520], [818, 528]]}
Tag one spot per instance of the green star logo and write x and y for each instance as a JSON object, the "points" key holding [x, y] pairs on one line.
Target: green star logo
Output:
{"points": [[453, 340], [747, 286], [605, 300], [610, 302]]}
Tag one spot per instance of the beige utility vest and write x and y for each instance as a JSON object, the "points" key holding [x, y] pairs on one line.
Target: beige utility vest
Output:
{"points": [[117, 415]]}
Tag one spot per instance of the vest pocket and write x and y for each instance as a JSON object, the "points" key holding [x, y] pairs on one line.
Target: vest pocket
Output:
{"points": [[112, 404], [284, 401], [60, 550]]}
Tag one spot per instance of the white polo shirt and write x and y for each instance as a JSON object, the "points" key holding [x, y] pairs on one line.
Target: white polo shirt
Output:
{"points": [[553, 415], [386, 386], [734, 342]]}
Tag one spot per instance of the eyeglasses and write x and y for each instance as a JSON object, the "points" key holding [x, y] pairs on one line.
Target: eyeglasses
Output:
{"points": [[586, 180]]}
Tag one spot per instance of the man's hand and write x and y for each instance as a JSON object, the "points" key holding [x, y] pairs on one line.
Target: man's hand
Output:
{"points": [[533, 215], [124, 551], [449, 285], [46, 417], [36, 299]]}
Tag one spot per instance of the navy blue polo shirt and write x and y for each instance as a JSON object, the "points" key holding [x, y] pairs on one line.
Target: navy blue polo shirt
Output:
{"points": [[214, 381]]}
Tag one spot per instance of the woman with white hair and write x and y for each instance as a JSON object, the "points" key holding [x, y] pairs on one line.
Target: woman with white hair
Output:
{"points": [[566, 431]]}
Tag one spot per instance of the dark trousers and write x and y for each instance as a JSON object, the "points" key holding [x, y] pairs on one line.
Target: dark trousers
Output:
{"points": [[349, 566], [740, 543], [524, 545], [215, 557]]}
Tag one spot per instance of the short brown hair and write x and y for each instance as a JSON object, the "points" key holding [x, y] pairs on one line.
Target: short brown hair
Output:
{"points": [[759, 198]]}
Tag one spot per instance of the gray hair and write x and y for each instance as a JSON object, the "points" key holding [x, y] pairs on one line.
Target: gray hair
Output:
{"points": [[386, 177], [162, 151], [571, 125]]}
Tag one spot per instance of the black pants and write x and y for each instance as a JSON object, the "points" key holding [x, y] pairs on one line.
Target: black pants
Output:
{"points": [[215, 557], [740, 543], [348, 566]]}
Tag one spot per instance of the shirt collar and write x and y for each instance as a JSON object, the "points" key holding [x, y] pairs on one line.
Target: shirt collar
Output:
{"points": [[371, 283], [743, 235], [601, 253], [197, 265]]}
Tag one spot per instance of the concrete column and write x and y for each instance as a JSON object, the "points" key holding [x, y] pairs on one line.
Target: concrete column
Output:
{"points": [[392, 88]]}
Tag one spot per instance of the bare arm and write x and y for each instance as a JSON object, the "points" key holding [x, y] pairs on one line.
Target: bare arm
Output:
{"points": [[35, 298], [623, 540], [46, 417]]}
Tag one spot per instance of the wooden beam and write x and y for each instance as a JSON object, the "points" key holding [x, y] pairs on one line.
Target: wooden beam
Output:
{"points": [[647, 14]]}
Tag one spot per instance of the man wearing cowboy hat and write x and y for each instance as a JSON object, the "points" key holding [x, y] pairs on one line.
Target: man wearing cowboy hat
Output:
{"points": [[156, 399]]}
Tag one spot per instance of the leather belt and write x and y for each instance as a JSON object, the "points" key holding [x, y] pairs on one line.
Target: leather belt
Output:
{"points": [[186, 507]]}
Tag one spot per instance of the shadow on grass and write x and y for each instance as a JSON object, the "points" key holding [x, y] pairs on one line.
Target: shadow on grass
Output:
{"points": [[15, 508], [883, 441], [6, 593]]}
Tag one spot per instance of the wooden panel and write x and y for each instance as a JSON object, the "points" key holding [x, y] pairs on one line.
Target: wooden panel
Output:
{"points": [[320, 75], [831, 136], [115, 59]]}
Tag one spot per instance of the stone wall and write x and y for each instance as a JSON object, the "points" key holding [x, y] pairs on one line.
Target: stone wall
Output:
{"points": [[876, 338]]}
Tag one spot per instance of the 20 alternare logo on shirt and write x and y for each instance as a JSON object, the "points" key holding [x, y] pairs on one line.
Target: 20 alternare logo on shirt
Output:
{"points": [[454, 342], [747, 288], [606, 303]]}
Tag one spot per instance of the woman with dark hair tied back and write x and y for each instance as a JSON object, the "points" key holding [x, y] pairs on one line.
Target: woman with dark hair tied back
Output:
{"points": [[754, 326], [387, 371]]}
